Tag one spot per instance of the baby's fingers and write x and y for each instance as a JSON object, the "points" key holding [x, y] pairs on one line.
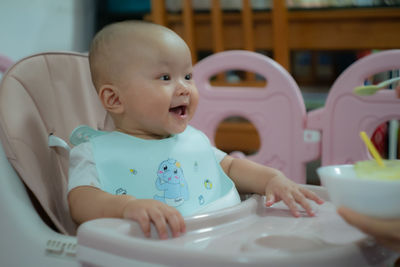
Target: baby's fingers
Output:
{"points": [[176, 224], [270, 199], [294, 198], [160, 223], [311, 195], [144, 222], [291, 203], [301, 199]]}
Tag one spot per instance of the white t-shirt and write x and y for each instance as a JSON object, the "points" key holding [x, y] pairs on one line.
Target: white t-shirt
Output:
{"points": [[82, 169]]}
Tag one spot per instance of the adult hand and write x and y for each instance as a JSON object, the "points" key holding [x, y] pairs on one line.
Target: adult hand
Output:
{"points": [[385, 231]]}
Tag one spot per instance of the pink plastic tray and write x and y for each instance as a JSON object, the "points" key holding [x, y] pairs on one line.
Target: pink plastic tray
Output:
{"points": [[248, 234]]}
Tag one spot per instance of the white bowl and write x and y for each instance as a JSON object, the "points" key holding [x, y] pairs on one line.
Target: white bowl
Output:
{"points": [[377, 198]]}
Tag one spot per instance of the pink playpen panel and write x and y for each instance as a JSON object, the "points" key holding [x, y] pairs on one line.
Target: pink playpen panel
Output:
{"points": [[346, 114], [277, 110]]}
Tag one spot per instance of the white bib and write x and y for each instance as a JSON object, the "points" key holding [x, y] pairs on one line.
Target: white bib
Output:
{"points": [[181, 171]]}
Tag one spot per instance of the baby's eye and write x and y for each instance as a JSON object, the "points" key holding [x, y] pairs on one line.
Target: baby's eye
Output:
{"points": [[165, 77], [188, 76]]}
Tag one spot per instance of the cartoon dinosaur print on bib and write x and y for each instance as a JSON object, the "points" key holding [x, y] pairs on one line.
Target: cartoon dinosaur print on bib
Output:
{"points": [[171, 181]]}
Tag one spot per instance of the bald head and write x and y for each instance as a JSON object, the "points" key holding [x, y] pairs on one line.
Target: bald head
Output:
{"points": [[120, 44]]}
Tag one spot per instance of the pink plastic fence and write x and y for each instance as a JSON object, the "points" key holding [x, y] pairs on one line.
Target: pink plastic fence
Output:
{"points": [[277, 110], [345, 114]]}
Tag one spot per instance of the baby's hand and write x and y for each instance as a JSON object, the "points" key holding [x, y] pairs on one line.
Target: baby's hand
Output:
{"points": [[281, 188], [147, 211]]}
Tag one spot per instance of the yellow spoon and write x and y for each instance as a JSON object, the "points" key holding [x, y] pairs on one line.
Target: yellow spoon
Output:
{"points": [[372, 149], [372, 89]]}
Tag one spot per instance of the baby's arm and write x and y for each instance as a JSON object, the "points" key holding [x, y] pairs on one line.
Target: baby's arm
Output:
{"points": [[251, 177], [88, 203]]}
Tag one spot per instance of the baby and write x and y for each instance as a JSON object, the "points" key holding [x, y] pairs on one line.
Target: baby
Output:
{"points": [[154, 168]]}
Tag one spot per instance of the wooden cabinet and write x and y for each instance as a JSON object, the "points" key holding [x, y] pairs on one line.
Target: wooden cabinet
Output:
{"points": [[281, 30]]}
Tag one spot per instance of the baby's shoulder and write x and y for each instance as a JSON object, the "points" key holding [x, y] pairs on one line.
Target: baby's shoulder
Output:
{"points": [[81, 150], [83, 134]]}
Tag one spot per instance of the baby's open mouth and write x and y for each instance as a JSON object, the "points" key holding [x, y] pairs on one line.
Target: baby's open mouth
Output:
{"points": [[179, 110]]}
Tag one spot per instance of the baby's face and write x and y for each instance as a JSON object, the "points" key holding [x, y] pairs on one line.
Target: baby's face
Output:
{"points": [[158, 91]]}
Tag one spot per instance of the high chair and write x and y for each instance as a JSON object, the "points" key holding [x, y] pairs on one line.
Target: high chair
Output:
{"points": [[45, 96]]}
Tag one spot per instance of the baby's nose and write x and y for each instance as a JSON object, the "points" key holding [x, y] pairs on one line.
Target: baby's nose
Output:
{"points": [[182, 88]]}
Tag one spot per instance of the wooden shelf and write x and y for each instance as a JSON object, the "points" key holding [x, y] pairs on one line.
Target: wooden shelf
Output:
{"points": [[313, 29], [344, 29], [232, 31]]}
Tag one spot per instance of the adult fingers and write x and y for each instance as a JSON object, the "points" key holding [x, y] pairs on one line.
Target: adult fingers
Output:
{"points": [[385, 231], [368, 225]]}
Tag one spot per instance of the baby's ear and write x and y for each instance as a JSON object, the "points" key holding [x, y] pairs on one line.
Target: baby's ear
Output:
{"points": [[110, 98]]}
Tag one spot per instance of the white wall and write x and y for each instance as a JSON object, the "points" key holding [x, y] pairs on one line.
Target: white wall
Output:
{"points": [[31, 26]]}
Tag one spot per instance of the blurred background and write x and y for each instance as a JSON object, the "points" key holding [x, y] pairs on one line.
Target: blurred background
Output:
{"points": [[315, 40]]}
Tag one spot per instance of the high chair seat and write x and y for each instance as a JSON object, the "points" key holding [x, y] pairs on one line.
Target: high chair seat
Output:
{"points": [[43, 95]]}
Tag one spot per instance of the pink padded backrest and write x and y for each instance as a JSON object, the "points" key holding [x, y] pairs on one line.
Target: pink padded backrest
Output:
{"points": [[45, 94], [346, 114], [277, 111]]}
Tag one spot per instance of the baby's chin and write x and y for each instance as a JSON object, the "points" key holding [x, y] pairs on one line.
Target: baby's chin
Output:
{"points": [[178, 131]]}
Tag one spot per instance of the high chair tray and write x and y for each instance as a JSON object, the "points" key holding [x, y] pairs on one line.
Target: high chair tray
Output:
{"points": [[247, 234]]}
